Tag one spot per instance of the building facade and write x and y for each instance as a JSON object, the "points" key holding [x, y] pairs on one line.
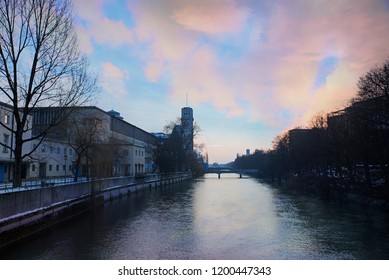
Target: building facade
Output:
{"points": [[7, 144], [187, 128], [91, 142], [6, 157]]}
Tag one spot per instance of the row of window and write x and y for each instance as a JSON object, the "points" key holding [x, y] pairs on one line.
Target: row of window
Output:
{"points": [[56, 150], [137, 153], [52, 149], [33, 167]]}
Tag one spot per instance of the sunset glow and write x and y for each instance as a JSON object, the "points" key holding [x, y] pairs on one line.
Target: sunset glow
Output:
{"points": [[251, 69]]}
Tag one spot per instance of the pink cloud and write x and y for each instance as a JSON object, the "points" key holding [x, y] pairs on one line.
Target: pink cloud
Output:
{"points": [[113, 80], [302, 34], [111, 32], [201, 77], [154, 70], [271, 76], [194, 69], [213, 16]]}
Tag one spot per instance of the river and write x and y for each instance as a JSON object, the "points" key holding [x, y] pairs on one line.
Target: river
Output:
{"points": [[210, 218]]}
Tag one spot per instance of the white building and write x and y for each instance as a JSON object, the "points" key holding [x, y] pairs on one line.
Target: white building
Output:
{"points": [[6, 157], [117, 147], [8, 143], [92, 141], [53, 158]]}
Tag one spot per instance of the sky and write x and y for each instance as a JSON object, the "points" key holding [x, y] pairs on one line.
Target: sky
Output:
{"points": [[250, 69]]}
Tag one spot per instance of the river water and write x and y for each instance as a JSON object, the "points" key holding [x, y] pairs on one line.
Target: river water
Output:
{"points": [[210, 218]]}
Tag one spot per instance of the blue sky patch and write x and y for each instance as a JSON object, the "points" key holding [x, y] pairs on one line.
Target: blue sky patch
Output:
{"points": [[327, 67]]}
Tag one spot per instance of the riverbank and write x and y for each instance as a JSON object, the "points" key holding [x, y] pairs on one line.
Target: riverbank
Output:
{"points": [[339, 189], [24, 213]]}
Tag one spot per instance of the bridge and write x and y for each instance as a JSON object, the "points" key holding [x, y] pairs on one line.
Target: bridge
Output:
{"points": [[221, 170]]}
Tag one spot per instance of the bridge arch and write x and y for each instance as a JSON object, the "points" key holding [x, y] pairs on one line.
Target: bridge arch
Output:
{"points": [[222, 170]]}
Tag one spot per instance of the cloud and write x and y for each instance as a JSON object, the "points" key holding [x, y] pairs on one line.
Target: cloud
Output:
{"points": [[303, 40], [191, 64], [202, 79], [94, 27], [272, 63], [113, 80], [111, 32], [212, 17], [154, 70], [293, 58]]}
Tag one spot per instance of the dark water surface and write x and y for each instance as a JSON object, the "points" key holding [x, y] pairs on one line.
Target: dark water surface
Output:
{"points": [[210, 218]]}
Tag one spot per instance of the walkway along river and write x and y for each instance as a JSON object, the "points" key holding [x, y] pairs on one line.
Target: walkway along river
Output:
{"points": [[210, 218]]}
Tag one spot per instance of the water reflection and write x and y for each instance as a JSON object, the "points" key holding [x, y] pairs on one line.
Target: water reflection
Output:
{"points": [[228, 218]]}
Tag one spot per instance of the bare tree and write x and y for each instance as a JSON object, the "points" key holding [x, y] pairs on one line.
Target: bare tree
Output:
{"points": [[374, 83], [169, 127], [281, 155], [371, 104], [40, 65], [83, 135], [318, 121]]}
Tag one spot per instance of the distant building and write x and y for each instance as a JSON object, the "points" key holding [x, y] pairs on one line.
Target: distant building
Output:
{"points": [[247, 152], [115, 114], [187, 127], [160, 135]]}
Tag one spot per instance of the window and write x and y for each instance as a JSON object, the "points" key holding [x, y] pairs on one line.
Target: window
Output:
{"points": [[6, 119], [64, 151], [50, 167], [64, 168], [57, 167], [33, 168], [51, 149], [43, 148], [58, 150], [5, 142], [98, 123]]}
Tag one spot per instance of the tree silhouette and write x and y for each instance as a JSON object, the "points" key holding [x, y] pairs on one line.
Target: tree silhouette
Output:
{"points": [[40, 65]]}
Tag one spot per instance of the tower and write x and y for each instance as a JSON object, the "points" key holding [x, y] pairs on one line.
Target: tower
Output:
{"points": [[187, 127]]}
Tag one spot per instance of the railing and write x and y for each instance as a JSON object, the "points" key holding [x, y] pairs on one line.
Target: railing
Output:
{"points": [[38, 195], [61, 181], [39, 183]]}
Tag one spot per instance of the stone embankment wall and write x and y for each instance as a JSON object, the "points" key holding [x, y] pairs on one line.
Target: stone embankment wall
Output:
{"points": [[24, 212]]}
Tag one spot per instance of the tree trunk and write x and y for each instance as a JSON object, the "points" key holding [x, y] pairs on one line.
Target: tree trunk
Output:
{"points": [[17, 176], [77, 166]]}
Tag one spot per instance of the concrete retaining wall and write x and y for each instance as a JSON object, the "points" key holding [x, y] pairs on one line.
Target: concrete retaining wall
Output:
{"points": [[49, 205]]}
